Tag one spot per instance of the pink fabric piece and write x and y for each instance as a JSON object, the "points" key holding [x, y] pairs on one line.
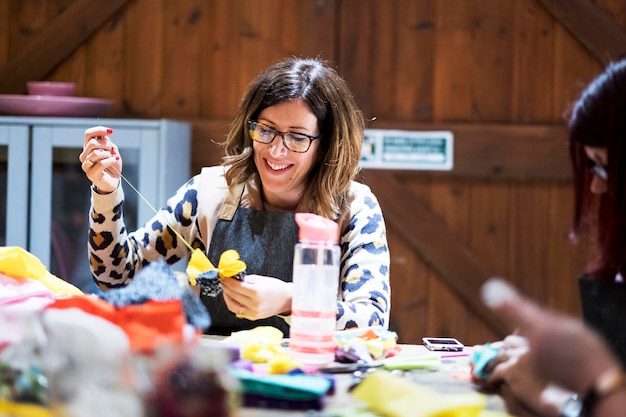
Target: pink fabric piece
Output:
{"points": [[16, 291], [19, 298]]}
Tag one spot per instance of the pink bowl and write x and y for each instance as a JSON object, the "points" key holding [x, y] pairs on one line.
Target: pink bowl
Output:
{"points": [[50, 88]]}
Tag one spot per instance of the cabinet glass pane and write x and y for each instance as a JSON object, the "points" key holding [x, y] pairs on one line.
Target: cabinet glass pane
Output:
{"points": [[3, 193], [70, 210]]}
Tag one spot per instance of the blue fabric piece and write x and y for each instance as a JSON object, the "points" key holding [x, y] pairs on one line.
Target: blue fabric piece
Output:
{"points": [[482, 361], [156, 281], [209, 282]]}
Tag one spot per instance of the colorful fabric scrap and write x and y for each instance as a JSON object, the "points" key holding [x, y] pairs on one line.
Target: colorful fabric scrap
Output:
{"points": [[230, 266], [365, 344]]}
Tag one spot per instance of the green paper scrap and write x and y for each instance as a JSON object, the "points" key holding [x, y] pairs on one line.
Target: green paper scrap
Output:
{"points": [[428, 362]]}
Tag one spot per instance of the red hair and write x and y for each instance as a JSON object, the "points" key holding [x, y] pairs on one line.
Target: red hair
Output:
{"points": [[599, 120]]}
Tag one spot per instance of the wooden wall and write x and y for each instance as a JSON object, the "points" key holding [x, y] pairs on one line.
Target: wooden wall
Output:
{"points": [[499, 74]]}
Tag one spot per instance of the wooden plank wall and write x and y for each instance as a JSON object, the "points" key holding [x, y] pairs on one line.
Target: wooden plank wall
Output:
{"points": [[495, 72]]}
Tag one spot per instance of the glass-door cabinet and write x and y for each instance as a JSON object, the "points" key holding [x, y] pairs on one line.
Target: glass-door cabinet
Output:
{"points": [[14, 163], [39, 168]]}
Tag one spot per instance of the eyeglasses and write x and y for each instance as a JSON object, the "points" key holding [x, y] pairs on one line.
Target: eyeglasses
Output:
{"points": [[295, 142], [597, 169]]}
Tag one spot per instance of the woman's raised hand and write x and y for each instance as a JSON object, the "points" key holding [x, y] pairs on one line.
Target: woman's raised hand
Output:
{"points": [[100, 159]]}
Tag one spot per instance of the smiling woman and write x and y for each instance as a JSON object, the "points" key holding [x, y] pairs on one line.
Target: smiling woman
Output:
{"points": [[284, 171], [248, 203]]}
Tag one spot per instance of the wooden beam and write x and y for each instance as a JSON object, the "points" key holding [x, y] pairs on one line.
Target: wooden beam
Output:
{"points": [[592, 26], [493, 151], [56, 42], [427, 234]]}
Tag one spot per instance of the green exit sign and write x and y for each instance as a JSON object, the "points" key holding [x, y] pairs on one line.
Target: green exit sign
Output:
{"points": [[404, 149]]}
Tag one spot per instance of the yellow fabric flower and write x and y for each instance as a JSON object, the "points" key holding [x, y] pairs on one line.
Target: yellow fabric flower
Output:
{"points": [[229, 266]]}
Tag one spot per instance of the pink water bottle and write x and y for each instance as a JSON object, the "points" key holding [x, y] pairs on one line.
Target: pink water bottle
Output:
{"points": [[316, 285]]}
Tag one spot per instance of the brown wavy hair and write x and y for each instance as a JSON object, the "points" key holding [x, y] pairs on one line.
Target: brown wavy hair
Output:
{"points": [[340, 122], [598, 119]]}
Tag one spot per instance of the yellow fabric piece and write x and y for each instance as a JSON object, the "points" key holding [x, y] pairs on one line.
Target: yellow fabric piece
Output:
{"points": [[23, 410], [281, 363], [229, 266], [393, 396], [198, 263], [16, 262], [259, 345]]}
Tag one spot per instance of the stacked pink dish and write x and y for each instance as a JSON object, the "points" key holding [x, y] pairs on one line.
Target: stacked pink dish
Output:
{"points": [[49, 98]]}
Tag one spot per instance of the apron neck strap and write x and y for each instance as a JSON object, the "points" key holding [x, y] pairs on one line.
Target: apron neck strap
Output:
{"points": [[231, 202]]}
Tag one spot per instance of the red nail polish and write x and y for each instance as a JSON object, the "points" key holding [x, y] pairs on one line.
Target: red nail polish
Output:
{"points": [[112, 149], [117, 158], [109, 131]]}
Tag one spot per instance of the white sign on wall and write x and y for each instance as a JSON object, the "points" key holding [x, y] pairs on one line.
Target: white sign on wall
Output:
{"points": [[406, 150]]}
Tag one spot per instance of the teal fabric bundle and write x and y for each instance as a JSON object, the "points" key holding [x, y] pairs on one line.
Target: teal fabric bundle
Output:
{"points": [[284, 391]]}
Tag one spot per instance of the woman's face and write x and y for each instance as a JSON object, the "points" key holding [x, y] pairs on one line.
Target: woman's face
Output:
{"points": [[597, 156], [283, 172]]}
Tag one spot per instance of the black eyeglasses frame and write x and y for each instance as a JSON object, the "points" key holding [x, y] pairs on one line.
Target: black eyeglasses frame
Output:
{"points": [[597, 169], [251, 126]]}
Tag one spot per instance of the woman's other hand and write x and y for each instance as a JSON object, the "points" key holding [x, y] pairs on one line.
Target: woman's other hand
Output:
{"points": [[100, 159], [524, 389], [564, 350], [257, 297]]}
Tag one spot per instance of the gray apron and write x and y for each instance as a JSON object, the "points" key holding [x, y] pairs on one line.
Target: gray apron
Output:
{"points": [[265, 241]]}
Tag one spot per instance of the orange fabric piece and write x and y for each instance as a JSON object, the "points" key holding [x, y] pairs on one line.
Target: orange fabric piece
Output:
{"points": [[369, 335], [146, 325]]}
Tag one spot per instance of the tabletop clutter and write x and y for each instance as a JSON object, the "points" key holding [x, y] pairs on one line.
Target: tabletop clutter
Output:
{"points": [[140, 351]]}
